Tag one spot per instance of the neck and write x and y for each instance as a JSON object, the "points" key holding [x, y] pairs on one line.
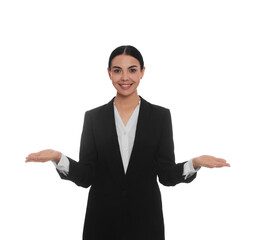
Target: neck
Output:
{"points": [[127, 101]]}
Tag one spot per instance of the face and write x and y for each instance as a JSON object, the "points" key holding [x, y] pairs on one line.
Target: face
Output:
{"points": [[125, 74]]}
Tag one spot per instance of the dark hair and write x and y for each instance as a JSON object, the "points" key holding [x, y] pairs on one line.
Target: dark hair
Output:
{"points": [[128, 50]]}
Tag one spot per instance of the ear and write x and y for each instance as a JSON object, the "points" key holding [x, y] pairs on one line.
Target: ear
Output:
{"points": [[143, 72], [109, 73]]}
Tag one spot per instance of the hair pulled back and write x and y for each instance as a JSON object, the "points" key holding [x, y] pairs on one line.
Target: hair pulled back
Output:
{"points": [[127, 50]]}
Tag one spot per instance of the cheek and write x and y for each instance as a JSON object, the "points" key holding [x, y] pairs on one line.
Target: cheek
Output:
{"points": [[136, 78], [114, 79]]}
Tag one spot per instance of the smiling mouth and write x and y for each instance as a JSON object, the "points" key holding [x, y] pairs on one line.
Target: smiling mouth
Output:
{"points": [[125, 85]]}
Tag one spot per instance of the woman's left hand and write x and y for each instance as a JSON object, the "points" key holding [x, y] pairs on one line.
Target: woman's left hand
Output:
{"points": [[209, 162]]}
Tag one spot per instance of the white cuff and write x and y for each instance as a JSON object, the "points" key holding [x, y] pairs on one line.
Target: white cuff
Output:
{"points": [[188, 169], [63, 165]]}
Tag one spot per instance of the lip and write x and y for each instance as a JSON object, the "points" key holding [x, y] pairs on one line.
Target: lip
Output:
{"points": [[125, 86]]}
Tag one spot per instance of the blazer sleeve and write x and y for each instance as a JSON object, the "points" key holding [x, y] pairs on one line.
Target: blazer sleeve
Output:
{"points": [[82, 173], [169, 173]]}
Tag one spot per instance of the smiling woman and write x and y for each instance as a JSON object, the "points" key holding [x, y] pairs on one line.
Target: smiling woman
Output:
{"points": [[126, 74], [126, 145], [126, 69]]}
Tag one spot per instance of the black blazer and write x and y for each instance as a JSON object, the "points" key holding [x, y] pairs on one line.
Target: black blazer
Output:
{"points": [[126, 206]]}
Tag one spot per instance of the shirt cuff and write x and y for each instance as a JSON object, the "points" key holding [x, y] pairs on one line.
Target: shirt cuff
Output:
{"points": [[63, 165], [188, 169]]}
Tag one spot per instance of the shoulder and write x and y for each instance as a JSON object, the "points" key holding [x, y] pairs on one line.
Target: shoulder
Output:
{"points": [[96, 110], [156, 109], [154, 113], [95, 114], [159, 109], [101, 112]]}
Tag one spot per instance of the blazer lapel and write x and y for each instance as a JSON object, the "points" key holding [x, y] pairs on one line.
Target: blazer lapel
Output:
{"points": [[115, 163], [141, 130]]}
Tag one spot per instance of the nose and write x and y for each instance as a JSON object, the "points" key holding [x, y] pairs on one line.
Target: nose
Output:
{"points": [[125, 76]]}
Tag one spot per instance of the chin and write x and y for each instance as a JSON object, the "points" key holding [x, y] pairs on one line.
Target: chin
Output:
{"points": [[126, 94]]}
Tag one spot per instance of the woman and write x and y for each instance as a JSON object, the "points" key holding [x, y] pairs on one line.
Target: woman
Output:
{"points": [[125, 145]]}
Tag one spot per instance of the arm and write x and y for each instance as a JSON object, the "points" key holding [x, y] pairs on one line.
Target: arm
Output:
{"points": [[81, 173], [168, 171]]}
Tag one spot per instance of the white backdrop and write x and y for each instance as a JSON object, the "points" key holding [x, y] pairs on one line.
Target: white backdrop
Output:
{"points": [[199, 63]]}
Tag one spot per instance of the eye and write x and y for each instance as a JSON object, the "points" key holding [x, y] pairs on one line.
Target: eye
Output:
{"points": [[133, 70], [116, 71]]}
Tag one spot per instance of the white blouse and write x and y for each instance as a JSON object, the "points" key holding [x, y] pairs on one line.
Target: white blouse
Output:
{"points": [[126, 134]]}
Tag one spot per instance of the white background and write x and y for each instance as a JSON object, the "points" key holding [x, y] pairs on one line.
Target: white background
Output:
{"points": [[199, 63]]}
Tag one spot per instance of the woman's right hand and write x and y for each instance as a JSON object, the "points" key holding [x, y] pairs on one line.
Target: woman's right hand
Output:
{"points": [[44, 156]]}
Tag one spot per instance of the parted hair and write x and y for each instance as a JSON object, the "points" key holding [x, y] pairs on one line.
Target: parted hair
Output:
{"points": [[128, 50]]}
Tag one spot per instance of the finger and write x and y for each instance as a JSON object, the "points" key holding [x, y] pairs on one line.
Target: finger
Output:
{"points": [[32, 155], [221, 160], [222, 164], [36, 153], [30, 159], [34, 160]]}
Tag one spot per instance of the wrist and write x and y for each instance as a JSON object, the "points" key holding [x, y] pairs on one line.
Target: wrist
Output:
{"points": [[58, 157], [195, 163]]}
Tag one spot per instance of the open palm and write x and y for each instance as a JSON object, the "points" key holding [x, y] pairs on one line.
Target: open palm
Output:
{"points": [[44, 156]]}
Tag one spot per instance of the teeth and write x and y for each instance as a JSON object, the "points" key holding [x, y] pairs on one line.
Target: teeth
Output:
{"points": [[125, 85]]}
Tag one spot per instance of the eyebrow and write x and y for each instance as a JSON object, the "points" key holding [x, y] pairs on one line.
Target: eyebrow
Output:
{"points": [[128, 67]]}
